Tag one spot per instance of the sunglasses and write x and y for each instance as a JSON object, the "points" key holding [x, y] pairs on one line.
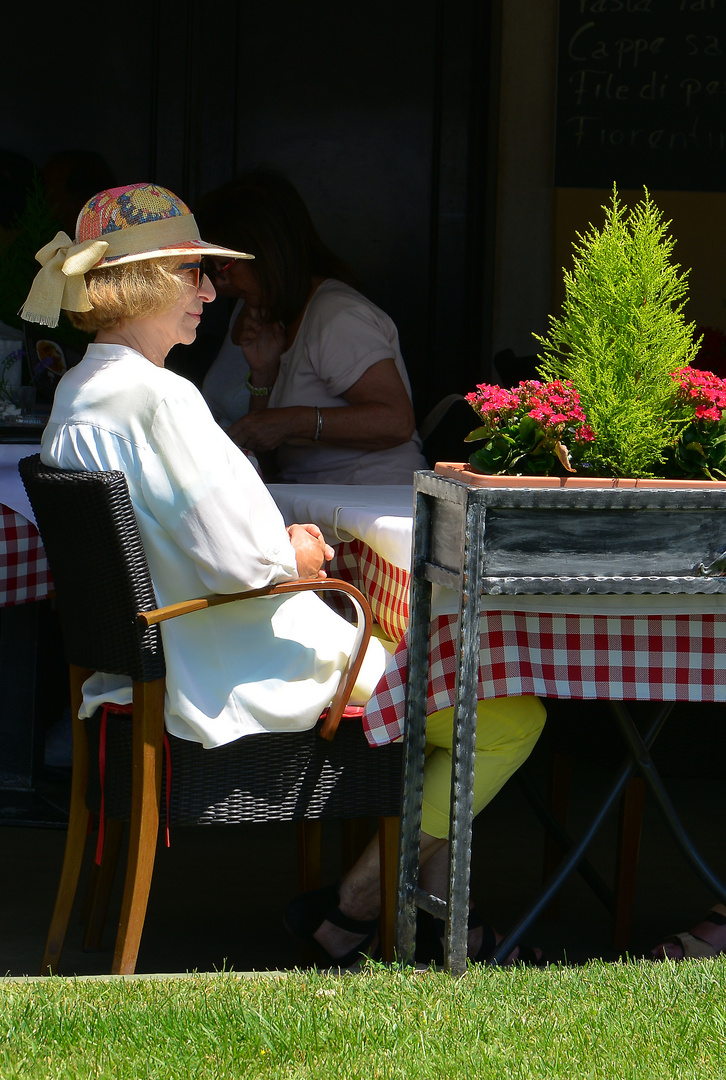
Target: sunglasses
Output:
{"points": [[213, 267], [196, 271], [203, 267]]}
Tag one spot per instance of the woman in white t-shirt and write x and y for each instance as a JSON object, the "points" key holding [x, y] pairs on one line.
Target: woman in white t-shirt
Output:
{"points": [[328, 389]]}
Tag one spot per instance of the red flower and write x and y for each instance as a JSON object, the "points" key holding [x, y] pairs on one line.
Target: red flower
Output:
{"points": [[702, 389]]}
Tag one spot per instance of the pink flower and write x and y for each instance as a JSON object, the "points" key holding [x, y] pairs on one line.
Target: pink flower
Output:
{"points": [[702, 413], [554, 406], [702, 389]]}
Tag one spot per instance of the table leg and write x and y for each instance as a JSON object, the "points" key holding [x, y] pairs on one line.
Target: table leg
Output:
{"points": [[464, 746], [639, 749], [629, 831], [409, 895], [561, 840], [576, 852]]}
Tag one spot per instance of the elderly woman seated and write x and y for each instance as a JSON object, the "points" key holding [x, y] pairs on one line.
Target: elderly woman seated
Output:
{"points": [[135, 277]]}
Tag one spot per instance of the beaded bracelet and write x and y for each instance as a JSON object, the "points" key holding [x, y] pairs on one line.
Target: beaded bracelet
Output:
{"points": [[256, 391]]}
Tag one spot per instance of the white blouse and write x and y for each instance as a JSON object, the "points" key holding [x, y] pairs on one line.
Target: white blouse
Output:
{"points": [[208, 524]]}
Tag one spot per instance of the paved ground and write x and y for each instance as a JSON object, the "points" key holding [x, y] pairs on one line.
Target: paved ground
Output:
{"points": [[218, 894]]}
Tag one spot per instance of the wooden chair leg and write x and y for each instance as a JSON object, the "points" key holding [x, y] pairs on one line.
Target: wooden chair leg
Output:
{"points": [[388, 832], [101, 886], [148, 733], [72, 859], [560, 782], [629, 833], [77, 831], [309, 855]]}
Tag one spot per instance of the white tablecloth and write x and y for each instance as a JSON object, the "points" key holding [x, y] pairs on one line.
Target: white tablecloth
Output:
{"points": [[12, 492], [381, 517]]}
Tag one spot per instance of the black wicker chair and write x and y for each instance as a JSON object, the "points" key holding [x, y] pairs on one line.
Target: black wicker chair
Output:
{"points": [[110, 623]]}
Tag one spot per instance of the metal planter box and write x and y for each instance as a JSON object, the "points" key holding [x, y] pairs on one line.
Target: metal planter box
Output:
{"points": [[669, 538]]}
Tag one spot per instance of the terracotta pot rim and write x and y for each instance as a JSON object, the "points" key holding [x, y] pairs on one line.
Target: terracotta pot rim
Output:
{"points": [[461, 471]]}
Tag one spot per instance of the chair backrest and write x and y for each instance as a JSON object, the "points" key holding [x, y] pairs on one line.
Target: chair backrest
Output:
{"points": [[444, 429], [87, 524]]}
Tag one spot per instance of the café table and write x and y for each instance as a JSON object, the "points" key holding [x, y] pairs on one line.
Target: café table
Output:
{"points": [[649, 647], [24, 582]]}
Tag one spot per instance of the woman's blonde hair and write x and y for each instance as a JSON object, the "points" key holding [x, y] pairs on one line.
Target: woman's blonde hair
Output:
{"points": [[133, 290]]}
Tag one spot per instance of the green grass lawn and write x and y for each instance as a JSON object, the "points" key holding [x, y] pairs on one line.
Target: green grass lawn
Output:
{"points": [[600, 1020]]}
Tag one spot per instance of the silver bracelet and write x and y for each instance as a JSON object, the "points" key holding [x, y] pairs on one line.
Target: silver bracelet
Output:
{"points": [[318, 423]]}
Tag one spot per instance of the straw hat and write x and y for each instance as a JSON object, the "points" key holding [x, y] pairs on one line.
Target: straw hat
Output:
{"points": [[121, 225]]}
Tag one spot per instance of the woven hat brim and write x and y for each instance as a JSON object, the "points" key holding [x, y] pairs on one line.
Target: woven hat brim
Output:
{"points": [[184, 247]]}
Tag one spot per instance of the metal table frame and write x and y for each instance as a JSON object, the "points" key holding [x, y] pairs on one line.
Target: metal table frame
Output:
{"points": [[467, 576]]}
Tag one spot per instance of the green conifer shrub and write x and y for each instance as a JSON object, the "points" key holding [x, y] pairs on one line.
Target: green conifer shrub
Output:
{"points": [[621, 335]]}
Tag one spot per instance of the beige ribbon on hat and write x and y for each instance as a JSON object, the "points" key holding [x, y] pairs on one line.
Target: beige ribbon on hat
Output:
{"points": [[60, 282]]}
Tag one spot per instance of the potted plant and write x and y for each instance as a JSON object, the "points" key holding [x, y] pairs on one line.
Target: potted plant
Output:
{"points": [[618, 396], [618, 406]]}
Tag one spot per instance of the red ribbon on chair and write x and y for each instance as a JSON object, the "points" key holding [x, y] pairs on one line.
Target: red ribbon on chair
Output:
{"points": [[123, 710], [107, 708]]}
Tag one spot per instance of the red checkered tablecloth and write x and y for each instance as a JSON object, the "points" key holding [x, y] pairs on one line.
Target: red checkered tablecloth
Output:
{"points": [[24, 574], [385, 585], [618, 657]]}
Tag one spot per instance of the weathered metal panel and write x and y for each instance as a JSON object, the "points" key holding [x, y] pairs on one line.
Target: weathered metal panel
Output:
{"points": [[545, 540]]}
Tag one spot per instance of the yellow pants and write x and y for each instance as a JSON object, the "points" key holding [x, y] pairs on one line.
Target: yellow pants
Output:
{"points": [[506, 731]]}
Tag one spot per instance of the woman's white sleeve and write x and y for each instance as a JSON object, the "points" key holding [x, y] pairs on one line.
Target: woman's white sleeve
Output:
{"points": [[202, 490]]}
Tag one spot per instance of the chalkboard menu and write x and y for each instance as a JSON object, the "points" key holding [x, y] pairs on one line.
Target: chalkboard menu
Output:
{"points": [[641, 94]]}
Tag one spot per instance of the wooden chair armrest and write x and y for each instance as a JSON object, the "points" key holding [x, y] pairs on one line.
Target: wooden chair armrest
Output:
{"points": [[355, 659]]}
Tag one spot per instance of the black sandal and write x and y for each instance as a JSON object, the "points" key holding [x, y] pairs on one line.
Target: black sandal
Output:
{"points": [[693, 947], [306, 914], [526, 955], [429, 941]]}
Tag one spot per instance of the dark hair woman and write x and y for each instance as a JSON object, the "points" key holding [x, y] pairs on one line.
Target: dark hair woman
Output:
{"points": [[310, 367]]}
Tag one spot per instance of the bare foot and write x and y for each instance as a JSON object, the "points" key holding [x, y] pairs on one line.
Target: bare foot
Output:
{"points": [[352, 925]]}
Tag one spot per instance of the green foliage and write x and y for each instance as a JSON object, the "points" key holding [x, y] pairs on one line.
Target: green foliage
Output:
{"points": [[699, 454], [699, 400], [517, 449], [621, 335], [532, 430]]}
